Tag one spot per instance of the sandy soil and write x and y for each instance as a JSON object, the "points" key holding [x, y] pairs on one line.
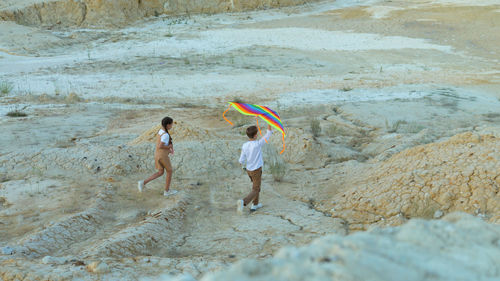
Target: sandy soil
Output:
{"points": [[92, 95]]}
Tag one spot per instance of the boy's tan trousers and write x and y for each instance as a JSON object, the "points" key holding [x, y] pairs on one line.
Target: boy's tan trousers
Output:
{"points": [[255, 177]]}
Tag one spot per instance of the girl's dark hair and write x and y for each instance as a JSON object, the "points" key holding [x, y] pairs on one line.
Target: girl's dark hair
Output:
{"points": [[164, 122]]}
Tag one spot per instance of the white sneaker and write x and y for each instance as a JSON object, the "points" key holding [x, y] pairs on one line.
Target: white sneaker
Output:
{"points": [[255, 207], [239, 206], [170, 192], [140, 185]]}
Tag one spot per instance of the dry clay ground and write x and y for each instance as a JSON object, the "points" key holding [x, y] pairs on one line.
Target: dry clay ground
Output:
{"points": [[378, 78]]}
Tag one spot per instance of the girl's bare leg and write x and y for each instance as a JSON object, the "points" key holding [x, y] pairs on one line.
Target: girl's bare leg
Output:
{"points": [[154, 176], [169, 170], [168, 180]]}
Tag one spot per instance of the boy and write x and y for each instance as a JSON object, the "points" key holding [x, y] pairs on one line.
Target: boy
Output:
{"points": [[251, 153]]}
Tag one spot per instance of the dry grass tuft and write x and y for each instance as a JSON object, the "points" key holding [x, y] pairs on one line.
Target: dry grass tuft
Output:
{"points": [[6, 87], [315, 127], [275, 163]]}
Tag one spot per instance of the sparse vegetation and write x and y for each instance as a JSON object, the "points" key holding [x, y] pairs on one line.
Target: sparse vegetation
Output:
{"points": [[16, 113], [238, 100], [333, 130], [6, 87], [336, 110], [275, 163], [315, 127], [364, 137], [346, 89], [64, 143], [424, 209], [403, 127], [393, 128], [491, 117], [72, 98], [412, 127]]}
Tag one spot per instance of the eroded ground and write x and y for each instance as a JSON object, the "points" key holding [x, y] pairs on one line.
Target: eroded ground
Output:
{"points": [[378, 78]]}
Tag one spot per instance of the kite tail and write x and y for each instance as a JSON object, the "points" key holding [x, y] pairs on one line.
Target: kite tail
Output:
{"points": [[283, 138], [223, 114], [260, 132]]}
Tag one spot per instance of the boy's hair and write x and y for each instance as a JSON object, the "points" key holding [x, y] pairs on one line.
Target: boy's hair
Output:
{"points": [[252, 131]]}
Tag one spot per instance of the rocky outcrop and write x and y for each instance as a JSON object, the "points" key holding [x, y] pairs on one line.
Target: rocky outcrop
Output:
{"points": [[100, 13], [76, 228], [458, 247], [156, 231], [459, 174]]}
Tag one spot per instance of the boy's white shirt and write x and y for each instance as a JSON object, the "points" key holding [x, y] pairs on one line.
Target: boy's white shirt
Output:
{"points": [[251, 152], [165, 138]]}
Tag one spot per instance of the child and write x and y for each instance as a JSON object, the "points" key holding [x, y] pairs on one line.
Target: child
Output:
{"points": [[251, 153], [164, 147]]}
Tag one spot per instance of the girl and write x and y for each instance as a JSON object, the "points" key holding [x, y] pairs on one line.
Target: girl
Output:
{"points": [[164, 147]]}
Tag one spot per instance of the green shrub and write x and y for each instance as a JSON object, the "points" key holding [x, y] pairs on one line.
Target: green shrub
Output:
{"points": [[6, 87], [16, 113]]}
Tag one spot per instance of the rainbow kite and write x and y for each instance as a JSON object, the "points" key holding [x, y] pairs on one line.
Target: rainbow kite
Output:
{"points": [[264, 112]]}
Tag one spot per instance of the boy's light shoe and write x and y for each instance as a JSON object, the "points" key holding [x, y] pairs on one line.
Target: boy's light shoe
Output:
{"points": [[170, 192], [255, 207], [140, 185], [239, 206]]}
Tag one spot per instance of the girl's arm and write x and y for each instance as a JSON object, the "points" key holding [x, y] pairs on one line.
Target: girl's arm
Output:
{"points": [[164, 146]]}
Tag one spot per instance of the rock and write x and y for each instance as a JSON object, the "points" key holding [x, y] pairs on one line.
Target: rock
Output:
{"points": [[102, 268], [8, 250], [459, 174], [184, 277], [98, 267], [53, 260], [438, 214], [410, 252], [92, 266]]}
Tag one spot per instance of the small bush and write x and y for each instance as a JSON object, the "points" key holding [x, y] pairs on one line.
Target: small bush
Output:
{"points": [[278, 169], [72, 98], [333, 130], [6, 87], [424, 209], [393, 128], [238, 100], [16, 113], [315, 127], [275, 163]]}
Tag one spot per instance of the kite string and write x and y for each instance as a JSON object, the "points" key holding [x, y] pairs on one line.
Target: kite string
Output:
{"points": [[223, 114], [283, 138]]}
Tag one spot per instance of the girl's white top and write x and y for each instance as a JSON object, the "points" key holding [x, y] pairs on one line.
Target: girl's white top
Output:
{"points": [[251, 152], [165, 137]]}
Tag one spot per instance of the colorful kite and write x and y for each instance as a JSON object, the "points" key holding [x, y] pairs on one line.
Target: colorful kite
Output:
{"points": [[264, 112]]}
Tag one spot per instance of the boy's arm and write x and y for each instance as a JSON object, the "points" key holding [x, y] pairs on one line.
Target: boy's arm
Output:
{"points": [[267, 135]]}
